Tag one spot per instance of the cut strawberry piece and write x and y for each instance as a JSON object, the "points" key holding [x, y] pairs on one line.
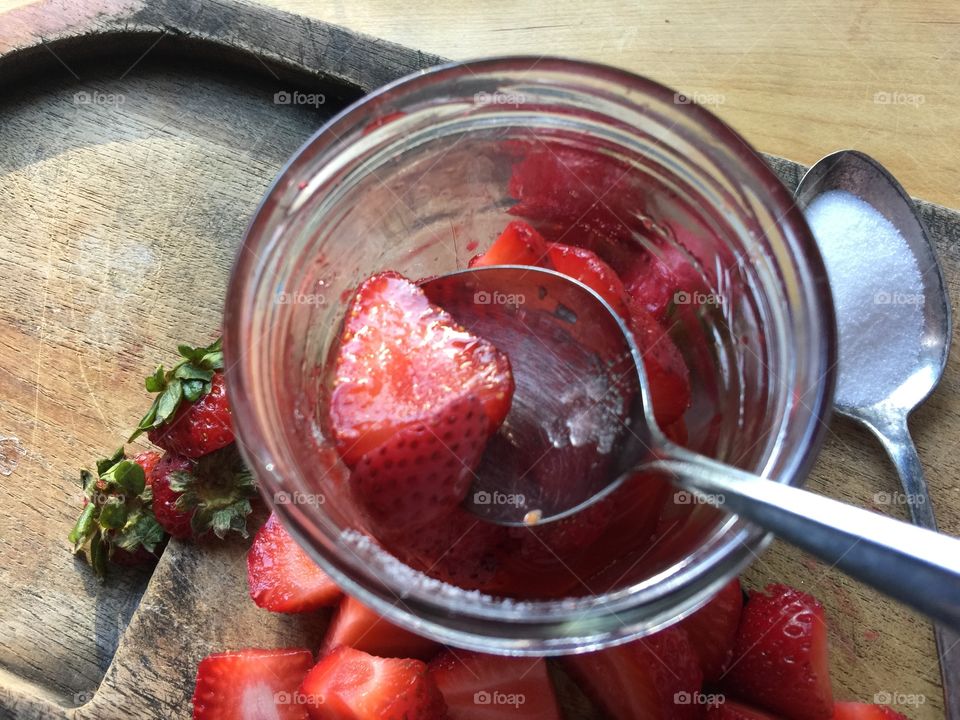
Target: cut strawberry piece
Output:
{"points": [[863, 711], [653, 678], [251, 684], [780, 658], [729, 710], [667, 374], [425, 470], [713, 630], [659, 282], [458, 549], [400, 360], [482, 687], [518, 244], [357, 626], [281, 577], [351, 685], [583, 265]]}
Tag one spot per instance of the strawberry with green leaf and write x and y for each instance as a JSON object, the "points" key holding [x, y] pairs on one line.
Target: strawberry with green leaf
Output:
{"points": [[192, 497], [117, 523], [190, 415]]}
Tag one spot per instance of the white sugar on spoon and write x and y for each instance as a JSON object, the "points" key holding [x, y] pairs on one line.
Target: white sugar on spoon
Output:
{"points": [[878, 294]]}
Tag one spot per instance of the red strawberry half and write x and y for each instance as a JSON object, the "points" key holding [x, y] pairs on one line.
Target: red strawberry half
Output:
{"points": [[251, 684], [583, 265], [488, 687], [863, 711], [425, 469], [518, 244], [357, 626], [653, 678], [667, 373], [351, 685], [713, 630], [780, 660], [190, 415], [281, 577], [400, 361]]}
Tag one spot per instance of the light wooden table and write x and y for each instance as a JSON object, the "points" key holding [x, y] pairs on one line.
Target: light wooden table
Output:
{"points": [[798, 78]]}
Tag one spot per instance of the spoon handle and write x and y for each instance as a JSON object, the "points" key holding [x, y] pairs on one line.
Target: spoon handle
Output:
{"points": [[894, 434], [916, 566]]}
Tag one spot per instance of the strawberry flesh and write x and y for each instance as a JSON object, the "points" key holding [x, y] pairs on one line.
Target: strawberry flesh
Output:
{"points": [[251, 684], [518, 244], [487, 687], [583, 265], [654, 678], [780, 660], [357, 626], [863, 711], [400, 361], [424, 470], [198, 428], [349, 684], [667, 374], [713, 630], [281, 576]]}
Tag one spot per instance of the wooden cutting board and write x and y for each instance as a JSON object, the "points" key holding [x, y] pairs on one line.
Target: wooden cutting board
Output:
{"points": [[135, 142]]}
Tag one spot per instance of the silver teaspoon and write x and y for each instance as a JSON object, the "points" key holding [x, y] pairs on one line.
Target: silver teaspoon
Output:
{"points": [[883, 407], [539, 316]]}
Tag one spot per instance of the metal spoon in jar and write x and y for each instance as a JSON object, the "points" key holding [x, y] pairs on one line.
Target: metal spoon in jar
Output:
{"points": [[574, 334], [925, 330]]}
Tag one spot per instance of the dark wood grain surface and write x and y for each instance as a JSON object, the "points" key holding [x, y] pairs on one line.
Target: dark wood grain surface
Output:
{"points": [[135, 141]]}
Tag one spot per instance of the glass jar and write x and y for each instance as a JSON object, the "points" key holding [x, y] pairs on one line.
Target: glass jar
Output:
{"points": [[416, 178]]}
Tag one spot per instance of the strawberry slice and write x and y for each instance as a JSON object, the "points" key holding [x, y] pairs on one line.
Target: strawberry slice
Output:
{"points": [[780, 658], [349, 684], [251, 684], [653, 678], [357, 626], [400, 360], [425, 470], [518, 244], [713, 630], [667, 374], [583, 265], [729, 710], [281, 577], [864, 711], [482, 687], [457, 548]]}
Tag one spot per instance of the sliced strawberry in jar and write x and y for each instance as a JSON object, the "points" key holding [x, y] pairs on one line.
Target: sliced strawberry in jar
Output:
{"points": [[281, 576], [780, 659], [654, 678], [518, 244], [482, 687], [349, 684], [583, 265], [251, 683], [357, 626], [667, 374], [400, 360], [713, 630], [423, 471], [457, 548]]}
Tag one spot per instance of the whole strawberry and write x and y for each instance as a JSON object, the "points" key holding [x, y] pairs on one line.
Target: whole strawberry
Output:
{"points": [[190, 415], [193, 496], [117, 523]]}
